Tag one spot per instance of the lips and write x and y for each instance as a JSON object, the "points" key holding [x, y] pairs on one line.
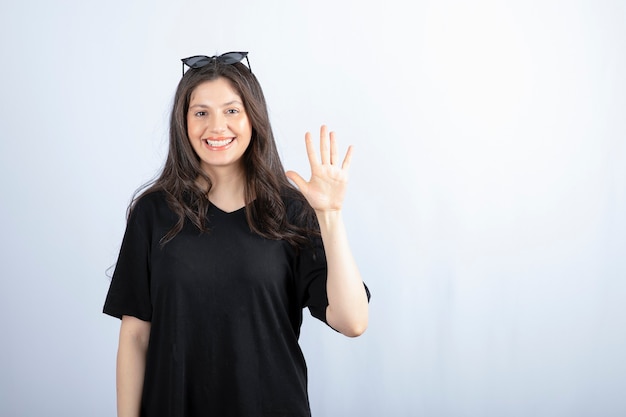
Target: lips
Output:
{"points": [[218, 142]]}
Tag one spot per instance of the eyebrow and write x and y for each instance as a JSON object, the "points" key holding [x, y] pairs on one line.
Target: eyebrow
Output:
{"points": [[204, 106]]}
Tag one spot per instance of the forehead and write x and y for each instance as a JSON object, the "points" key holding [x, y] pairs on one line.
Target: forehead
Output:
{"points": [[219, 90]]}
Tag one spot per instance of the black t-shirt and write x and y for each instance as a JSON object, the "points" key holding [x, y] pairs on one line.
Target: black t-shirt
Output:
{"points": [[225, 309]]}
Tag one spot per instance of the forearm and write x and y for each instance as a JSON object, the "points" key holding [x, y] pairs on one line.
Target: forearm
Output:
{"points": [[347, 310], [131, 365]]}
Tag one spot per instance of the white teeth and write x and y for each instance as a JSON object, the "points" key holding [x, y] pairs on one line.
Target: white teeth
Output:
{"points": [[218, 143]]}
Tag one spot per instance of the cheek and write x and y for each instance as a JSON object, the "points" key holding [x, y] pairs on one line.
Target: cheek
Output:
{"points": [[194, 128], [245, 125]]}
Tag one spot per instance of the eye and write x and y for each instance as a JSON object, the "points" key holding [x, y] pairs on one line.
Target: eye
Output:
{"points": [[200, 113], [232, 111]]}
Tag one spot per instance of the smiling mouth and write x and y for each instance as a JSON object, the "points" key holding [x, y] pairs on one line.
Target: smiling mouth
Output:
{"points": [[218, 143]]}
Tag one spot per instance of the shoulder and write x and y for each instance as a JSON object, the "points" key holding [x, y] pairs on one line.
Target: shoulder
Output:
{"points": [[149, 206], [149, 201], [150, 215]]}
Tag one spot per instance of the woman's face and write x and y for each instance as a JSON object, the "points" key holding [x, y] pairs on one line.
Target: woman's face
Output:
{"points": [[217, 126]]}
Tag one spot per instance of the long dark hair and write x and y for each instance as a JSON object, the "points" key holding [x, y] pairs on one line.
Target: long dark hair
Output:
{"points": [[266, 185]]}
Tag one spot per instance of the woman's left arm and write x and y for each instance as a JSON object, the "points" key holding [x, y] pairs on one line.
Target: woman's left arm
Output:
{"points": [[347, 310]]}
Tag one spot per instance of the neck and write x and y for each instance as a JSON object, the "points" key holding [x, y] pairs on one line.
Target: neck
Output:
{"points": [[228, 189]]}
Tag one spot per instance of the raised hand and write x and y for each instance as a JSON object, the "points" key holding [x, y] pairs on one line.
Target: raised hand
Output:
{"points": [[326, 189]]}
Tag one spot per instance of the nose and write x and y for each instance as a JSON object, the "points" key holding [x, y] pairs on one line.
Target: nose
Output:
{"points": [[217, 123]]}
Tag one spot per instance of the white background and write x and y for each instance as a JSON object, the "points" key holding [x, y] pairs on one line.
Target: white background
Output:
{"points": [[486, 209]]}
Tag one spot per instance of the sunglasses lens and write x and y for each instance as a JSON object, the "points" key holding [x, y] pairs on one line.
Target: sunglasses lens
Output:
{"points": [[197, 61], [232, 57]]}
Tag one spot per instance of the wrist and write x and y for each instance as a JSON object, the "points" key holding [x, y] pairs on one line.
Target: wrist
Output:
{"points": [[328, 217]]}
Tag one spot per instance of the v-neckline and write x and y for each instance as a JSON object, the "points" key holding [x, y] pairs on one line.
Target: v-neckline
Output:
{"points": [[227, 212]]}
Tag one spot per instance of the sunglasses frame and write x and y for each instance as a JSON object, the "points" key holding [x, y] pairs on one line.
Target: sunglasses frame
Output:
{"points": [[228, 58]]}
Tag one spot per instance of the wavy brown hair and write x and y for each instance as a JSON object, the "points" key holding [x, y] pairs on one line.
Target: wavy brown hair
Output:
{"points": [[266, 185]]}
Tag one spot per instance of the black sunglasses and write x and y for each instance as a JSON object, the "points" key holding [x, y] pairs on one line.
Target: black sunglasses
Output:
{"points": [[229, 58]]}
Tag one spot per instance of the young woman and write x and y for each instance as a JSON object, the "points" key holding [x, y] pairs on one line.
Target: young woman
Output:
{"points": [[221, 254]]}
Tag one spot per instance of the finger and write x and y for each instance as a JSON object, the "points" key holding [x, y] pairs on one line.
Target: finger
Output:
{"points": [[310, 149], [348, 158], [297, 179], [333, 149], [324, 145]]}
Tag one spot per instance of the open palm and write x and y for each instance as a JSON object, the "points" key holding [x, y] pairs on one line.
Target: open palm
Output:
{"points": [[326, 189]]}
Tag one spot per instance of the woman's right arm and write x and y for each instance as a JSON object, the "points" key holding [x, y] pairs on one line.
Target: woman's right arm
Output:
{"points": [[131, 365]]}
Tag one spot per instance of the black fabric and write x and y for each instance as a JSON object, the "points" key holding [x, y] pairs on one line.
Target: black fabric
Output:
{"points": [[225, 309]]}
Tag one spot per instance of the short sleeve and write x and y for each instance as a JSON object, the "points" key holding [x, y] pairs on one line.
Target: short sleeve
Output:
{"points": [[311, 274], [129, 292]]}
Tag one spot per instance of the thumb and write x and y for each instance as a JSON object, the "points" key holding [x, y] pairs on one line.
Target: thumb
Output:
{"points": [[297, 179]]}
